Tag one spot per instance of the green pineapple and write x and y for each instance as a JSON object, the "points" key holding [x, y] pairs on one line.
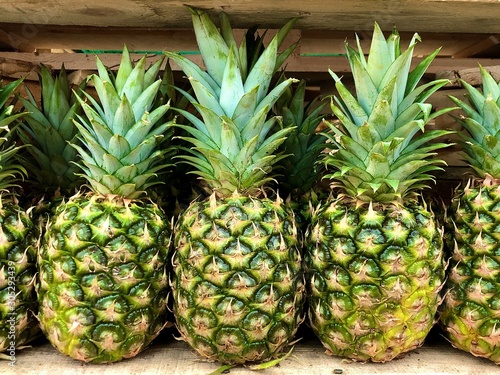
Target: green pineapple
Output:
{"points": [[48, 129], [102, 265], [18, 241], [299, 171], [471, 308], [172, 192], [374, 258], [237, 280]]}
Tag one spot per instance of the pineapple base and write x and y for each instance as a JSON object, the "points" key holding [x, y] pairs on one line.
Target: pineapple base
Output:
{"points": [[18, 304], [103, 280], [374, 278], [471, 309], [237, 283]]}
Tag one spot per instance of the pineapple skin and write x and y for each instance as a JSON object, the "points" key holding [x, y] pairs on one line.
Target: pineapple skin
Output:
{"points": [[237, 282], [374, 278], [103, 279], [471, 308], [18, 301]]}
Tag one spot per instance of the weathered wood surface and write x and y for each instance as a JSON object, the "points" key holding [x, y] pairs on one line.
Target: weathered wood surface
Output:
{"points": [[28, 38], [167, 356], [414, 15], [295, 64], [469, 75]]}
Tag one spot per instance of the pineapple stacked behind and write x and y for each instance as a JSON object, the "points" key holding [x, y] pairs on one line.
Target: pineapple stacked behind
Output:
{"points": [[300, 171], [49, 129], [18, 240], [237, 281], [374, 258], [102, 264], [471, 308]]}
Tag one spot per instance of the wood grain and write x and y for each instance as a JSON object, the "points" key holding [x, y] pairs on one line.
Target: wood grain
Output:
{"points": [[414, 15], [168, 356]]}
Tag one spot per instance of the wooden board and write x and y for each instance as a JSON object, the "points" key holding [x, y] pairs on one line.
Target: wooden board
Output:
{"points": [[295, 64], [168, 356], [30, 38], [467, 30], [478, 16]]}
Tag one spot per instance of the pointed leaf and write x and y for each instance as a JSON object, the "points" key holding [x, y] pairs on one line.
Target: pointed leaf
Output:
{"points": [[416, 74], [152, 74], [144, 102], [379, 58], [194, 71], [357, 114], [230, 142], [124, 118], [232, 86], [124, 70], [263, 70], [212, 45], [118, 146], [245, 108], [270, 99], [134, 84], [206, 98]]}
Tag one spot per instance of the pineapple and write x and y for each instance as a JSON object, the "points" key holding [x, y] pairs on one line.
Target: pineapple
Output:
{"points": [[237, 282], [175, 183], [103, 280], [472, 306], [374, 258], [300, 172], [49, 129], [18, 241]]}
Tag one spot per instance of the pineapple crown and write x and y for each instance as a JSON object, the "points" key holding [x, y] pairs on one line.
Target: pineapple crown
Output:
{"points": [[49, 129], [382, 151], [304, 144], [120, 135], [10, 170], [234, 140], [481, 119]]}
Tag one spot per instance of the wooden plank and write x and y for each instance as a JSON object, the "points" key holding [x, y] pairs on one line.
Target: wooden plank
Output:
{"points": [[17, 68], [318, 42], [80, 38], [469, 75], [168, 356], [313, 42], [408, 15], [95, 38], [296, 63], [479, 47]]}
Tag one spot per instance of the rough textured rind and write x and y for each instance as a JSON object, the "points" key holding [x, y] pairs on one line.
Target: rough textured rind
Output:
{"points": [[237, 282], [374, 278], [18, 305], [471, 308], [103, 280]]}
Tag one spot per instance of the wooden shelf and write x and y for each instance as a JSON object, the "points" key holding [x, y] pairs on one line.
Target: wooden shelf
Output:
{"points": [[475, 16], [467, 30], [168, 356], [463, 28]]}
